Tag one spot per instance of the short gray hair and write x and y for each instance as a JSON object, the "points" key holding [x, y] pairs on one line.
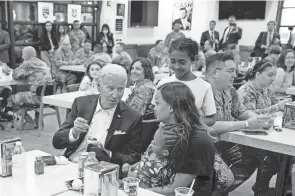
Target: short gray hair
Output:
{"points": [[112, 69]]}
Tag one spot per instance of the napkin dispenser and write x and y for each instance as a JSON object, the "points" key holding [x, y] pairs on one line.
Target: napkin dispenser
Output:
{"points": [[289, 116], [6, 148], [101, 179]]}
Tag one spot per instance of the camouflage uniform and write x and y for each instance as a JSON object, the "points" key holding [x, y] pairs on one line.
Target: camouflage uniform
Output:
{"points": [[36, 72], [82, 56], [99, 58], [141, 97], [76, 39], [158, 58], [61, 58]]}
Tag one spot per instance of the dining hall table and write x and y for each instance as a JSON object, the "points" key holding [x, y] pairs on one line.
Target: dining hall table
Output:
{"points": [[52, 182], [278, 142]]}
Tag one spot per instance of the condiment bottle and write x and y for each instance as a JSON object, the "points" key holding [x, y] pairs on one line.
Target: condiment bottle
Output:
{"points": [[39, 166]]}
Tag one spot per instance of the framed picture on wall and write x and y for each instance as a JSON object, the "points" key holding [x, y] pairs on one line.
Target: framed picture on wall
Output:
{"points": [[45, 12], [120, 9], [182, 14], [74, 13]]}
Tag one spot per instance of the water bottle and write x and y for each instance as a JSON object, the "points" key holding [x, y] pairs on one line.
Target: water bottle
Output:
{"points": [[91, 159], [18, 164]]}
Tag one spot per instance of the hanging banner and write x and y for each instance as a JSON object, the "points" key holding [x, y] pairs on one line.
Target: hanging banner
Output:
{"points": [[74, 13], [45, 12]]}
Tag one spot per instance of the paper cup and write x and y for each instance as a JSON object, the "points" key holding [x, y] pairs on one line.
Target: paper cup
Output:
{"points": [[183, 191], [131, 186]]}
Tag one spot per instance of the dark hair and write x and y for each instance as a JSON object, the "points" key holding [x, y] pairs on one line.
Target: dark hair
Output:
{"points": [[120, 60], [76, 21], [105, 26], [271, 22], [87, 41], [185, 44], [259, 67], [58, 33], [232, 16], [88, 69], [44, 30], [281, 61], [147, 68], [274, 49], [183, 9], [212, 21], [180, 97], [158, 41], [218, 57]]}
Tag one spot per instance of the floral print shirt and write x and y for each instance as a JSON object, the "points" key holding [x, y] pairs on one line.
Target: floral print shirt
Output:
{"points": [[228, 105], [76, 39], [34, 70], [254, 99], [141, 97]]}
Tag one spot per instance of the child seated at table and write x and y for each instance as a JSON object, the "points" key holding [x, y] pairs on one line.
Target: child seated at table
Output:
{"points": [[90, 79]]}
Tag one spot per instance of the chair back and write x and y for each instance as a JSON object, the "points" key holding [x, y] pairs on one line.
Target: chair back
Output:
{"points": [[150, 126], [47, 88]]}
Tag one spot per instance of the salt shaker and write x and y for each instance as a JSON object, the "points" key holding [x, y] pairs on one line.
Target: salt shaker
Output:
{"points": [[39, 166]]}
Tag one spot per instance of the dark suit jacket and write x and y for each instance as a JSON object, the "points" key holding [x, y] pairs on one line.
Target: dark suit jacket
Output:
{"points": [[4, 45], [125, 148], [233, 38], [179, 21], [206, 36], [262, 40]]}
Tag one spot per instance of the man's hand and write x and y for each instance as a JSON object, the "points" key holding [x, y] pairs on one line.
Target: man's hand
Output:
{"points": [[80, 126], [216, 41], [125, 168], [257, 122]]}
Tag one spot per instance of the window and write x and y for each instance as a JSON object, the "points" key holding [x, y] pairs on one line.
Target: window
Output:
{"points": [[60, 13], [25, 11], [287, 15]]}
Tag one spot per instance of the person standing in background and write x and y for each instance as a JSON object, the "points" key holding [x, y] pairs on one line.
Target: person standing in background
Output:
{"points": [[106, 39], [77, 37], [212, 35], [266, 39], [123, 57], [4, 45], [232, 34], [61, 34], [48, 43], [175, 34]]}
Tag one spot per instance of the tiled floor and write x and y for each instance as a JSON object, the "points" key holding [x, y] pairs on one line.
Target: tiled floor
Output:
{"points": [[32, 140]]}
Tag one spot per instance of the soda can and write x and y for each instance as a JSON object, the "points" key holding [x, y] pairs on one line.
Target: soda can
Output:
{"points": [[82, 158]]}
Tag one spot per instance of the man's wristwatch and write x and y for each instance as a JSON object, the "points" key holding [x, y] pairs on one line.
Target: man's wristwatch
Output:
{"points": [[247, 124]]}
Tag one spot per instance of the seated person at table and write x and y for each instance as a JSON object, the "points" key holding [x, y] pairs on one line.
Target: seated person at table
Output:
{"points": [[256, 96], [35, 72], [285, 73], [274, 54], [158, 56], [115, 125], [64, 56], [181, 145], [183, 52], [120, 53], [232, 116], [142, 93], [98, 57], [84, 53], [90, 80]]}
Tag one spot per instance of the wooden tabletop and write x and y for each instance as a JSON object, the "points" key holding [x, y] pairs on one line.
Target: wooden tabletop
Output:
{"points": [[280, 142], [73, 68], [66, 100], [49, 183]]}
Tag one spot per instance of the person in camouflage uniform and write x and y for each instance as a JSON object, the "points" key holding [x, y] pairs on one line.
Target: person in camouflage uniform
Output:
{"points": [[77, 36], [35, 72], [64, 56], [83, 54]]}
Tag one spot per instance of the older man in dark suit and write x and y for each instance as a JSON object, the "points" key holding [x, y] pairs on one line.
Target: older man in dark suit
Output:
{"points": [[232, 34], [211, 34], [114, 125], [266, 39], [4, 45]]}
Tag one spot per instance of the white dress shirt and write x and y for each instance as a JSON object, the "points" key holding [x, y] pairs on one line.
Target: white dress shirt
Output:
{"points": [[226, 33], [211, 33], [98, 129], [184, 23], [269, 38]]}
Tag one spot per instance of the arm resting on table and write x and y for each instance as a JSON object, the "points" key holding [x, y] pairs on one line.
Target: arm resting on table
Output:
{"points": [[61, 138], [221, 127]]}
